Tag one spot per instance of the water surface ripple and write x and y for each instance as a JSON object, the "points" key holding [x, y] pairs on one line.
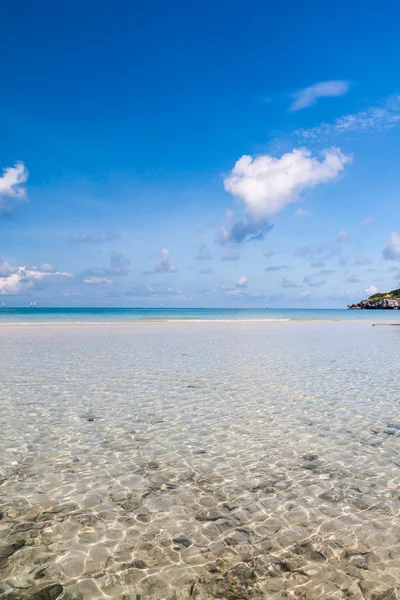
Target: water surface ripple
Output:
{"points": [[178, 461]]}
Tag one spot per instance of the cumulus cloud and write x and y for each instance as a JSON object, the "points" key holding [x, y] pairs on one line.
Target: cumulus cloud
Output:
{"points": [[266, 184], [392, 248], [93, 280], [324, 89], [11, 186], [231, 254], [17, 280], [372, 289], [164, 265], [242, 282], [118, 264], [47, 268], [6, 268], [203, 253], [245, 231]]}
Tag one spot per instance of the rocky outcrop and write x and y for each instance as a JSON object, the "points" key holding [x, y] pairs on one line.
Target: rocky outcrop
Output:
{"points": [[377, 303]]}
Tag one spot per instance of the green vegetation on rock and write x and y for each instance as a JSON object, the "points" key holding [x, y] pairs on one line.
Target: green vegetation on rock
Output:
{"points": [[392, 294]]}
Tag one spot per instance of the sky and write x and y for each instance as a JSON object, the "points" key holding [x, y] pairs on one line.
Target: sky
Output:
{"points": [[213, 154]]}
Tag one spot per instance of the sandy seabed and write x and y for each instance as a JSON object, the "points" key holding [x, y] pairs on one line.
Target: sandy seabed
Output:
{"points": [[200, 460]]}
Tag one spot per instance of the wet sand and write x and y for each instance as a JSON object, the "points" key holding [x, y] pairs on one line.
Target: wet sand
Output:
{"points": [[200, 460]]}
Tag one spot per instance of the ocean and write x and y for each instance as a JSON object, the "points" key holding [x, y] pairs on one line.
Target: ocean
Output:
{"points": [[178, 460], [21, 315]]}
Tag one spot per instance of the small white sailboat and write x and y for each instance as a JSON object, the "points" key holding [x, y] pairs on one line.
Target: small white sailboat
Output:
{"points": [[161, 306]]}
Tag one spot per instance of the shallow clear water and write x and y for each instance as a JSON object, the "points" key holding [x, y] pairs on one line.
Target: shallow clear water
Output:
{"points": [[204, 460], [91, 315]]}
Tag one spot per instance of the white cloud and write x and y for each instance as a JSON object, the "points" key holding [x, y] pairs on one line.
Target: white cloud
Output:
{"points": [[392, 248], [324, 89], [372, 289], [6, 268], [93, 280], [118, 264], [20, 279], [46, 268], [164, 265], [11, 183], [372, 119], [302, 213], [242, 282], [267, 184], [343, 236]]}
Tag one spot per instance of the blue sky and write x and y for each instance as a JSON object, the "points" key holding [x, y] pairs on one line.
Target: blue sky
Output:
{"points": [[199, 154]]}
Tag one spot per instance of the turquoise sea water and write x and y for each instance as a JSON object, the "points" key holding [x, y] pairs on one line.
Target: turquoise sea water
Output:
{"points": [[134, 314]]}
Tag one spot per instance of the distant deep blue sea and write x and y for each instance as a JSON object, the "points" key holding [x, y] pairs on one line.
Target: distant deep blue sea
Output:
{"points": [[20, 315]]}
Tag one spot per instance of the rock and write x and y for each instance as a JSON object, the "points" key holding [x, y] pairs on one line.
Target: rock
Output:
{"points": [[153, 465], [182, 541], [211, 515], [332, 495], [51, 592], [230, 505], [6, 551], [312, 465], [139, 564], [382, 302], [132, 504]]}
